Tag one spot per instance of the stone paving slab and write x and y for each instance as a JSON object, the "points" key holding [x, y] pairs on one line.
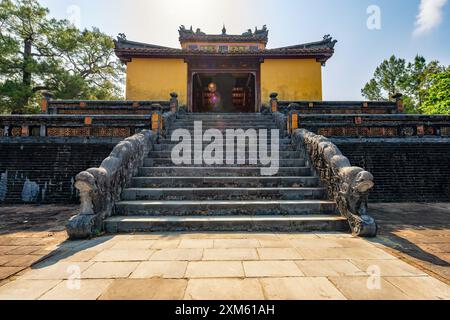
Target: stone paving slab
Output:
{"points": [[422, 240], [177, 255], [29, 234], [196, 244], [344, 253], [233, 265], [330, 268], [109, 270], [288, 268], [421, 288], [56, 271], [300, 289], [26, 289], [215, 269], [279, 254], [111, 255], [160, 269], [81, 290], [148, 289], [230, 254], [387, 268], [224, 289], [259, 269], [6, 272], [362, 288]]}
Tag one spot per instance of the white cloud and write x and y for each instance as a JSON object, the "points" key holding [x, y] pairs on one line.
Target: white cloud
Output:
{"points": [[430, 16]]}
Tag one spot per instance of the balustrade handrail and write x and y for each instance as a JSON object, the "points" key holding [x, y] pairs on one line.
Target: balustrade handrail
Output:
{"points": [[100, 188], [339, 104], [348, 186]]}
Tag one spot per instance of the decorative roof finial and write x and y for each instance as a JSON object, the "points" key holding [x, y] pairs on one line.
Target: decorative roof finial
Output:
{"points": [[224, 30]]}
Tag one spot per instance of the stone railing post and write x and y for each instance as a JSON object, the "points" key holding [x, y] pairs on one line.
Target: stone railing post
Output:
{"points": [[173, 102], [274, 102], [45, 102], [25, 131], [292, 122], [43, 130], [157, 125], [399, 101]]}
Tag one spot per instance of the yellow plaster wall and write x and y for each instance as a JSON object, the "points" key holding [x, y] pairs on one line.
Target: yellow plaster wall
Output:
{"points": [[155, 79], [292, 79]]}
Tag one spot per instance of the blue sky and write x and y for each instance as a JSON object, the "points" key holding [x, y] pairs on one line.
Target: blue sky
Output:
{"points": [[358, 51]]}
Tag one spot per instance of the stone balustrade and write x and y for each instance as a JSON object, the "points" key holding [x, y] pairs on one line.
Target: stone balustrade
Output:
{"points": [[337, 107], [105, 107], [370, 125], [121, 126], [340, 107], [99, 188], [348, 186]]}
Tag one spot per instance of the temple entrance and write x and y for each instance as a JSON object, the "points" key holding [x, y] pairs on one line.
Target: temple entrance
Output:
{"points": [[224, 92]]}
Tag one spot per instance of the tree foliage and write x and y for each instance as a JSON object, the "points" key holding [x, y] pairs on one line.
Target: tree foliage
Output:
{"points": [[413, 79], [437, 100], [39, 54]]}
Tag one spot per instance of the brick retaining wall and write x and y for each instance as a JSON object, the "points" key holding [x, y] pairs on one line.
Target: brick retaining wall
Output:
{"points": [[415, 169], [43, 170]]}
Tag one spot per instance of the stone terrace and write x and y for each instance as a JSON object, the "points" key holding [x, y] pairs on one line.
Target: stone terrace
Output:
{"points": [[238, 265]]}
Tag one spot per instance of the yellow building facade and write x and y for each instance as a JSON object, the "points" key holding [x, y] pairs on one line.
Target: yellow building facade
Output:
{"points": [[228, 73], [154, 79], [292, 79]]}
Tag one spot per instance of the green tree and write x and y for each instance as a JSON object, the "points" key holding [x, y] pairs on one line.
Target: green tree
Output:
{"points": [[388, 80], [437, 100], [418, 80], [40, 54], [413, 80]]}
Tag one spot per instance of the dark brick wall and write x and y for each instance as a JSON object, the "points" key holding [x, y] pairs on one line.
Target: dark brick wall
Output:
{"points": [[50, 165], [416, 171]]}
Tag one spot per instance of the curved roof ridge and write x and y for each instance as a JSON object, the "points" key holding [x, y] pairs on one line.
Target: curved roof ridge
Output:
{"points": [[327, 42]]}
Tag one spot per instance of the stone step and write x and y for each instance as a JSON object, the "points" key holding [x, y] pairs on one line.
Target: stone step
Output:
{"points": [[168, 147], [225, 207], [168, 140], [248, 155], [151, 162], [218, 171], [224, 116], [120, 224], [223, 182], [182, 194], [224, 126], [226, 120], [223, 132], [237, 122]]}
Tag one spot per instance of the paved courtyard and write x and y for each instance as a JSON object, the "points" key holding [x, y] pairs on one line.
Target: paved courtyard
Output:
{"points": [[229, 265]]}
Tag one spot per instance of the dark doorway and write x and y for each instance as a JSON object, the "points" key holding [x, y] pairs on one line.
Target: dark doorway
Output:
{"points": [[223, 92]]}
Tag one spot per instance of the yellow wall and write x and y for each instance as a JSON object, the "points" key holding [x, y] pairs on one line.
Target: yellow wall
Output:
{"points": [[292, 79], [155, 79]]}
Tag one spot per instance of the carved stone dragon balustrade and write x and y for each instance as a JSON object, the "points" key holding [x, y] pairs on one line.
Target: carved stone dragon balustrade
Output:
{"points": [[100, 188], [349, 186]]}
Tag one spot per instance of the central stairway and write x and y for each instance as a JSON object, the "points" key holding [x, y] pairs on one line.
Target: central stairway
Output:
{"points": [[166, 197]]}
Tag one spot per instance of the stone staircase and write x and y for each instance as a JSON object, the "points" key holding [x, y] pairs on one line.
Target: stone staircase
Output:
{"points": [[165, 197]]}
